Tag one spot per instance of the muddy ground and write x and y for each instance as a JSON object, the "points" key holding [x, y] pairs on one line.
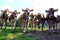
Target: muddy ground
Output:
{"points": [[45, 35]]}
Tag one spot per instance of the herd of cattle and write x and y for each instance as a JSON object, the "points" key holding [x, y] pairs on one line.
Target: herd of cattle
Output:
{"points": [[26, 19]]}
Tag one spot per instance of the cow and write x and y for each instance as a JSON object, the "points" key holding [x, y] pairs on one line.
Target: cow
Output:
{"points": [[12, 18], [31, 20], [24, 18], [51, 19], [58, 22], [3, 17], [40, 20]]}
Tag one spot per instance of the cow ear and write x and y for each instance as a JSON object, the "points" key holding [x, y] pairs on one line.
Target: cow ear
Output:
{"points": [[18, 12], [32, 10], [23, 10], [55, 10], [46, 11], [1, 10]]}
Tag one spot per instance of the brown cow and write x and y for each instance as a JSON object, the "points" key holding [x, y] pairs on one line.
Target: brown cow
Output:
{"points": [[31, 20], [24, 18], [3, 17], [40, 19], [12, 18]]}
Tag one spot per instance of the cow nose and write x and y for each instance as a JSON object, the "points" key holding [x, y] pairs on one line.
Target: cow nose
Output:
{"points": [[51, 15]]}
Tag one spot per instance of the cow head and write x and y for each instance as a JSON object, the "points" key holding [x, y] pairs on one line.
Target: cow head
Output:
{"points": [[51, 12], [4, 14], [27, 11]]}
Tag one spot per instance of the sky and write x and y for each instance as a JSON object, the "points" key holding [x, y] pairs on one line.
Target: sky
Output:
{"points": [[39, 6]]}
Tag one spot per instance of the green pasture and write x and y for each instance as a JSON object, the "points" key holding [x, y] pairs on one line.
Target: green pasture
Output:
{"points": [[10, 34]]}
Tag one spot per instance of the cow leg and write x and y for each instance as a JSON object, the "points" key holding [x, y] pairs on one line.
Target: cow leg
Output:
{"points": [[42, 26], [23, 24], [12, 24], [31, 26], [26, 25], [1, 25], [20, 23], [4, 21], [53, 26], [34, 25], [49, 26], [4, 24], [38, 25], [15, 25], [56, 26]]}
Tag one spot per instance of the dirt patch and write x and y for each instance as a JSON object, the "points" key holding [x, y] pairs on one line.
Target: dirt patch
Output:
{"points": [[45, 35]]}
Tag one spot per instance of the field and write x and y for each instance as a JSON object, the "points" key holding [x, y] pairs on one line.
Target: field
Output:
{"points": [[10, 34]]}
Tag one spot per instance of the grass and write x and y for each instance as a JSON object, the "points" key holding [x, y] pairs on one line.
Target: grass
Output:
{"points": [[9, 34]]}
